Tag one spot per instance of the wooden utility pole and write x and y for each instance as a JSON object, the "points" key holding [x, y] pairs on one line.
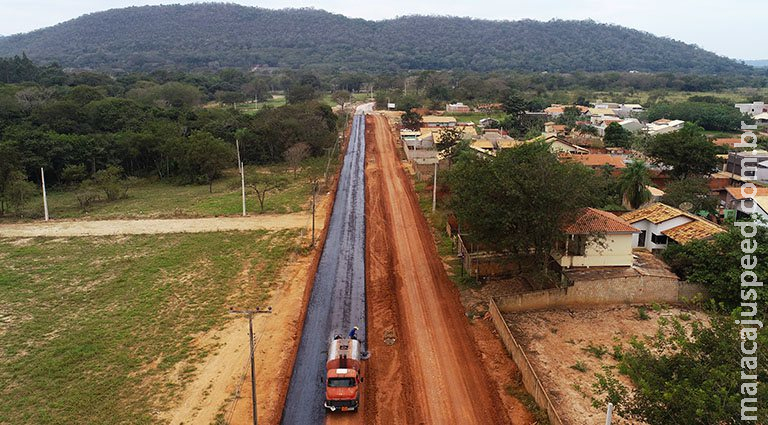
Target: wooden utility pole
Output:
{"points": [[250, 314]]}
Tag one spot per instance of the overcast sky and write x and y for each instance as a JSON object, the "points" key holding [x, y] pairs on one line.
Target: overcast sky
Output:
{"points": [[734, 28]]}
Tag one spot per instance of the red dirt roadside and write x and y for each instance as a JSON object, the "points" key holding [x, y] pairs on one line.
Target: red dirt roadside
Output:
{"points": [[435, 373]]}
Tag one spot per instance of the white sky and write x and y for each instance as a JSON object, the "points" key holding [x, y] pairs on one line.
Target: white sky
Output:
{"points": [[734, 28]]}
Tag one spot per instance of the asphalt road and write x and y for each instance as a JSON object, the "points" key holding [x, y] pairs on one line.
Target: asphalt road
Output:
{"points": [[337, 302]]}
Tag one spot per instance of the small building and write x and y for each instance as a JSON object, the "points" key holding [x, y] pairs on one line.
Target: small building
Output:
{"points": [[761, 119], [659, 225], [552, 128], [749, 165], [559, 145], [597, 160], [663, 126], [435, 121], [489, 122], [596, 239], [457, 107], [752, 109], [627, 110], [751, 202]]}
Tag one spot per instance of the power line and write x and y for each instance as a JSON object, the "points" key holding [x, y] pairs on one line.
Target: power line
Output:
{"points": [[250, 314]]}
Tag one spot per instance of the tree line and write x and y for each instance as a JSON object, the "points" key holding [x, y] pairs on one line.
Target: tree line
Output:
{"points": [[78, 129]]}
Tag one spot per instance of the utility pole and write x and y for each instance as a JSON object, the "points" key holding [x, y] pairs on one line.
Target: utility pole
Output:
{"points": [[434, 188], [314, 197], [608, 414], [250, 314], [45, 196], [242, 173]]}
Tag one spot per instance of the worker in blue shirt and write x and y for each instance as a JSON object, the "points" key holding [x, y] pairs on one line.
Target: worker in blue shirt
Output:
{"points": [[353, 333]]}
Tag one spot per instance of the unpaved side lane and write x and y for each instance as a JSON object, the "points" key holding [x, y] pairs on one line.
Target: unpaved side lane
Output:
{"points": [[450, 385]]}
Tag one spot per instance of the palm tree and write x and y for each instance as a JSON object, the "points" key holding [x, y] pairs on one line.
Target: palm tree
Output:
{"points": [[633, 182]]}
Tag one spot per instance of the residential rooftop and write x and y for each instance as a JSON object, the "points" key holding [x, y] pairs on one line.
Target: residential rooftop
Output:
{"points": [[593, 221]]}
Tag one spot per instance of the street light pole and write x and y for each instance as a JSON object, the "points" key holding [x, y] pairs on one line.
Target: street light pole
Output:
{"points": [[250, 314]]}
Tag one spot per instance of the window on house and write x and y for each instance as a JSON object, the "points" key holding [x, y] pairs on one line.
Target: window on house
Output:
{"points": [[641, 238], [659, 239]]}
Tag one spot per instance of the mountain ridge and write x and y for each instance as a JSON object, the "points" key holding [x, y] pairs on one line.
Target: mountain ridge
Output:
{"points": [[217, 35]]}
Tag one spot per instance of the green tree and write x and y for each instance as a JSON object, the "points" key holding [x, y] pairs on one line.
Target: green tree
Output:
{"points": [[518, 200], [264, 183], [10, 166], [570, 115], [110, 181], [694, 190], [716, 263], [450, 138], [341, 97], [73, 174], [686, 374], [687, 151], [514, 105], [299, 93], [411, 120], [633, 181], [16, 192], [617, 136], [715, 116], [206, 157]]}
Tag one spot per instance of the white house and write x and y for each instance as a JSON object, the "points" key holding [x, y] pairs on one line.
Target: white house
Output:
{"points": [[761, 119], [663, 126], [745, 206], [595, 239], [753, 108], [629, 110], [457, 107], [658, 224]]}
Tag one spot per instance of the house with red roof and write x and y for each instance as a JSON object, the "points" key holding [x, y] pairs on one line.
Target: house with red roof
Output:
{"points": [[595, 238]]}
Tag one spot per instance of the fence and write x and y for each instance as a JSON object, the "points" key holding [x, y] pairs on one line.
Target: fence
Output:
{"points": [[531, 381]]}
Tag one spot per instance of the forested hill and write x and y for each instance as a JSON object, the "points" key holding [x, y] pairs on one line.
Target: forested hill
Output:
{"points": [[225, 35]]}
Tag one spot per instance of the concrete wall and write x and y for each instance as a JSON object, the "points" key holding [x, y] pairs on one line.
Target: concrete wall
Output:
{"points": [[531, 381], [623, 290]]}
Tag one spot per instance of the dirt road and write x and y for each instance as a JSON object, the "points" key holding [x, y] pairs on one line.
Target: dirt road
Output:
{"points": [[155, 226], [436, 367]]}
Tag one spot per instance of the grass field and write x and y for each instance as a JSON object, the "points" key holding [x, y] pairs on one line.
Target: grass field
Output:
{"points": [[153, 198], [251, 108], [90, 326]]}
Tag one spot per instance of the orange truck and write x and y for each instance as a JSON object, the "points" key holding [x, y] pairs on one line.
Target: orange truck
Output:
{"points": [[342, 384]]}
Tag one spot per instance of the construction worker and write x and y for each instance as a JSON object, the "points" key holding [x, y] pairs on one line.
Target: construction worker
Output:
{"points": [[353, 333]]}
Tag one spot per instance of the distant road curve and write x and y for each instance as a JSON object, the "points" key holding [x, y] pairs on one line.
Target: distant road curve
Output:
{"points": [[155, 226]]}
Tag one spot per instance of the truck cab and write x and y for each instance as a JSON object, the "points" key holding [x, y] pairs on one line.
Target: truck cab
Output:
{"points": [[342, 384]]}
